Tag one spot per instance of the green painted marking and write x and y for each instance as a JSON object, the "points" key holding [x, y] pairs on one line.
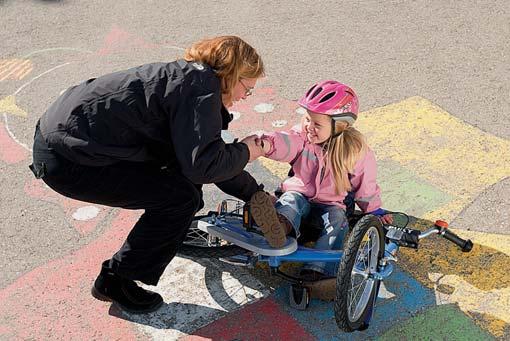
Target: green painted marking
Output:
{"points": [[444, 322], [404, 191]]}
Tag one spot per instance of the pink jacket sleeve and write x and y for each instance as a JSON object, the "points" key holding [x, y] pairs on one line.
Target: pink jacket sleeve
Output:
{"points": [[285, 145], [367, 193]]}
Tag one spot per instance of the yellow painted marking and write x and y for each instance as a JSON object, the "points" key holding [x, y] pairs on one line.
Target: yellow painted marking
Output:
{"points": [[500, 242], [459, 159], [15, 68], [279, 169], [25, 70], [6, 64], [493, 303], [8, 105]]}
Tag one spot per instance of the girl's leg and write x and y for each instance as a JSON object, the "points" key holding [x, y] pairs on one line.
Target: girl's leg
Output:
{"points": [[292, 207], [335, 226]]}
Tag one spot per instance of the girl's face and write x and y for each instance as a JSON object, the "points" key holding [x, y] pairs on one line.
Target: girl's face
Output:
{"points": [[242, 89], [317, 127]]}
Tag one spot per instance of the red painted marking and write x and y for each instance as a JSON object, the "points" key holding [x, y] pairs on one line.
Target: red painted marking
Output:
{"points": [[251, 120], [53, 302], [37, 189], [119, 40], [263, 320], [10, 151]]}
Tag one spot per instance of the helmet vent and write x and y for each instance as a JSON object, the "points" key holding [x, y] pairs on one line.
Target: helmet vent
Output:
{"points": [[316, 92], [327, 97], [310, 90]]}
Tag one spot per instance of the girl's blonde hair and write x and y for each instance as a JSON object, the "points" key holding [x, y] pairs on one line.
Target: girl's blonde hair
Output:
{"points": [[343, 153], [231, 57]]}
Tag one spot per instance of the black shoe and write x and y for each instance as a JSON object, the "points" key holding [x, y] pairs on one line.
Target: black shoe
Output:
{"points": [[124, 292]]}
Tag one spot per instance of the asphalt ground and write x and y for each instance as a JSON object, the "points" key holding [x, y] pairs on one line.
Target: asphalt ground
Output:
{"points": [[432, 78]]}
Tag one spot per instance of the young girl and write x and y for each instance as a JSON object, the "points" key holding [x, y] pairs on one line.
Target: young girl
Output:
{"points": [[329, 158]]}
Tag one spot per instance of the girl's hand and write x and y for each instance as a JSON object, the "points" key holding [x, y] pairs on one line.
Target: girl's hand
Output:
{"points": [[387, 219]]}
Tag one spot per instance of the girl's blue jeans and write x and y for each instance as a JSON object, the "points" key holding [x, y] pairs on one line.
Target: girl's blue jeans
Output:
{"points": [[295, 207]]}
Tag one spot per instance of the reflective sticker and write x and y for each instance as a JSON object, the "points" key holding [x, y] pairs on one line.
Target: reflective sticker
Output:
{"points": [[198, 66]]}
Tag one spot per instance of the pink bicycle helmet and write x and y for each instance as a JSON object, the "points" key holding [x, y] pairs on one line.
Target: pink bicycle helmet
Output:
{"points": [[333, 99]]}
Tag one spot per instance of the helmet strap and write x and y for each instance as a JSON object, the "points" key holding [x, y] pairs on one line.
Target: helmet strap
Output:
{"points": [[333, 128]]}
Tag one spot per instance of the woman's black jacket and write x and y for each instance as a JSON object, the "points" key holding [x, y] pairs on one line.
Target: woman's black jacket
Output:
{"points": [[165, 113]]}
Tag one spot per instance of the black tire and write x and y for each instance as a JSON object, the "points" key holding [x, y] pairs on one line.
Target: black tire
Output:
{"points": [[196, 246], [350, 317]]}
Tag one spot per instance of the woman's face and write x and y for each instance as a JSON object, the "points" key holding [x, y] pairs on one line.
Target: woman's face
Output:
{"points": [[241, 90], [317, 127]]}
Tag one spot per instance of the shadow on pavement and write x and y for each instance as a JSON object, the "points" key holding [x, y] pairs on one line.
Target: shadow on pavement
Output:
{"points": [[169, 316]]}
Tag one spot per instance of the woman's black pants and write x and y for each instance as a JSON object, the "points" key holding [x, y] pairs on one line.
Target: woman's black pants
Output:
{"points": [[169, 199]]}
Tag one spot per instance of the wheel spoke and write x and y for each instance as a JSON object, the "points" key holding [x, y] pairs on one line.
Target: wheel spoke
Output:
{"points": [[359, 272], [196, 237], [365, 294], [354, 298]]}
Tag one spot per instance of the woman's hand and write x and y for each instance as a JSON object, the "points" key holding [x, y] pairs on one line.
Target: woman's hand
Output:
{"points": [[254, 147], [264, 144]]}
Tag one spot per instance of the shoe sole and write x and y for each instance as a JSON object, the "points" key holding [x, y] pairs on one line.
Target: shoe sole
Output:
{"points": [[264, 214], [96, 294]]}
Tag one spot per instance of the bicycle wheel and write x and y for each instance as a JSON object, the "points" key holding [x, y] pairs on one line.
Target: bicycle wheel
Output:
{"points": [[356, 287], [199, 244]]}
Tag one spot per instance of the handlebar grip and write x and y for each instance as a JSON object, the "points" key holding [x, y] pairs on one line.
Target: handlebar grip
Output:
{"points": [[465, 245]]}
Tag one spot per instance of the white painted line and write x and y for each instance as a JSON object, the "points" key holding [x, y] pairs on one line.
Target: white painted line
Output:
{"points": [[279, 123], [39, 76]]}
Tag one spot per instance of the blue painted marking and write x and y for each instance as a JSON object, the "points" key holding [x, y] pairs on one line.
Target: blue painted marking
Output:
{"points": [[319, 319]]}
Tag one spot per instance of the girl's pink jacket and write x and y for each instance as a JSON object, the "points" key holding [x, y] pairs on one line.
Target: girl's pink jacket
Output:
{"points": [[307, 164]]}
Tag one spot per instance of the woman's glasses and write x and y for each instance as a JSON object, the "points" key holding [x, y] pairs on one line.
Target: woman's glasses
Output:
{"points": [[247, 91]]}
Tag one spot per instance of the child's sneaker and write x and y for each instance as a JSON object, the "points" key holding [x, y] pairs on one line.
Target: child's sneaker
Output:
{"points": [[264, 214]]}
